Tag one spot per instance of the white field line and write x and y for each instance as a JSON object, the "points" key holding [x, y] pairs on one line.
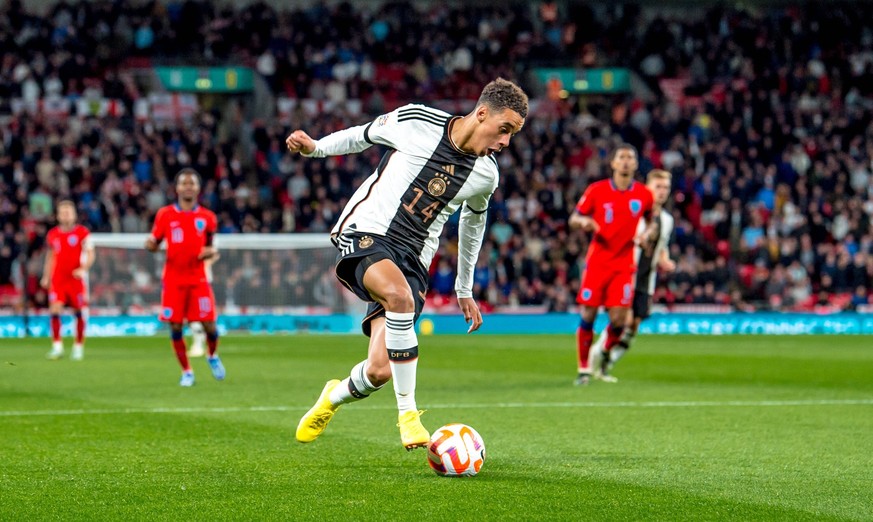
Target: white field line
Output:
{"points": [[624, 404]]}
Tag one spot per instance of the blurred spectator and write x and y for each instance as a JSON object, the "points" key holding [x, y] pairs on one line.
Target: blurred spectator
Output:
{"points": [[768, 136]]}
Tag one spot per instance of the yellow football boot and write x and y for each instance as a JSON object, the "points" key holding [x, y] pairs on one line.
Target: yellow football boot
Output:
{"points": [[315, 421], [412, 433]]}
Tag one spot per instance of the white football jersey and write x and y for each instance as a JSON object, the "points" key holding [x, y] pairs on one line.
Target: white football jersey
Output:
{"points": [[422, 180], [646, 271]]}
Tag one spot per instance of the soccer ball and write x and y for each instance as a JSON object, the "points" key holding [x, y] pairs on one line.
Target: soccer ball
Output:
{"points": [[456, 450]]}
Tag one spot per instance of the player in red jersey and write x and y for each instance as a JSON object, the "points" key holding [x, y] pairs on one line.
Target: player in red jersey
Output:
{"points": [[186, 292], [611, 209], [70, 255]]}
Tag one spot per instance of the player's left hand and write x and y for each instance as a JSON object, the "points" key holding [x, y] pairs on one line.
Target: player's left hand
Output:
{"points": [[79, 273], [471, 313], [208, 252]]}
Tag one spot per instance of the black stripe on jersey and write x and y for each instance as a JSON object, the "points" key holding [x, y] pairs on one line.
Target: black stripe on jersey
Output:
{"points": [[379, 170], [646, 261], [428, 115], [427, 119], [367, 133], [423, 110], [492, 158], [427, 195], [473, 210]]}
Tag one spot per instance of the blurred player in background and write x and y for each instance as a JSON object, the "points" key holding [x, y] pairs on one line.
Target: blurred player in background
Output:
{"points": [[649, 259], [387, 234], [186, 294], [65, 275], [198, 333], [611, 209]]}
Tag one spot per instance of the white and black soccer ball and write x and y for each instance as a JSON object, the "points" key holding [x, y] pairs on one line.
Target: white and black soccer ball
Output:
{"points": [[456, 450]]}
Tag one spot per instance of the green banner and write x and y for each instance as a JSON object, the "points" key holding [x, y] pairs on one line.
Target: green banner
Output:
{"points": [[206, 79], [591, 81]]}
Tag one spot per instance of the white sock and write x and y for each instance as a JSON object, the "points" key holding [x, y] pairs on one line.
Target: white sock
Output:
{"points": [[595, 355], [615, 354], [600, 343], [402, 344], [618, 351], [57, 346], [353, 388], [198, 336]]}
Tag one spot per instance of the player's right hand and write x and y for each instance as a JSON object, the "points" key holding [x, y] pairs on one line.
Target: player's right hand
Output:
{"points": [[299, 141], [44, 282]]}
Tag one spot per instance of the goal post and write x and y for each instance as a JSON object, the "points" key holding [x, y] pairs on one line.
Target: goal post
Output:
{"points": [[274, 274]]}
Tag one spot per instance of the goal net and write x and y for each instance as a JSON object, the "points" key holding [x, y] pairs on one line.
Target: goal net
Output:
{"points": [[255, 274]]}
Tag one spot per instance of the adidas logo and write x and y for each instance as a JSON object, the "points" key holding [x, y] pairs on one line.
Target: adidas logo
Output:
{"points": [[450, 169]]}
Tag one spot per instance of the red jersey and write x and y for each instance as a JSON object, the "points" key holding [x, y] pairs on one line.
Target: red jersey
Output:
{"points": [[186, 233], [618, 213], [67, 246]]}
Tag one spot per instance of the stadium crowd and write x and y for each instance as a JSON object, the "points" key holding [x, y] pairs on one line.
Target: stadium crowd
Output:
{"points": [[769, 136]]}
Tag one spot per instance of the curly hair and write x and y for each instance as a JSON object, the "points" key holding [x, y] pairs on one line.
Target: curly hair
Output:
{"points": [[503, 94]]}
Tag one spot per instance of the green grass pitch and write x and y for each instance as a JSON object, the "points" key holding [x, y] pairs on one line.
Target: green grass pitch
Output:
{"points": [[698, 428]]}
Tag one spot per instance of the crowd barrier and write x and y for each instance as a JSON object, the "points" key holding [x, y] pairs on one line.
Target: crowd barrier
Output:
{"points": [[429, 324]]}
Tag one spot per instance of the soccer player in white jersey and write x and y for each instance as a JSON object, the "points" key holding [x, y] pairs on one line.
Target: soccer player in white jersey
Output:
{"points": [[387, 234], [649, 260]]}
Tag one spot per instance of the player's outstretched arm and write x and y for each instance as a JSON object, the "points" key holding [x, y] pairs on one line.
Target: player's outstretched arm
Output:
{"points": [[299, 141], [346, 141]]}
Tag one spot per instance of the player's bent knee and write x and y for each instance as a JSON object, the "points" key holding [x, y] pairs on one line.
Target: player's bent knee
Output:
{"points": [[399, 300]]}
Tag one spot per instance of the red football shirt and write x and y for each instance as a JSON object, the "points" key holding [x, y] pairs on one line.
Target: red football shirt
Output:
{"points": [[618, 213], [186, 233], [67, 246]]}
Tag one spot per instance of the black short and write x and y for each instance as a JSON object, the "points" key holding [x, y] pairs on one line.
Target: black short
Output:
{"points": [[359, 251], [642, 305]]}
